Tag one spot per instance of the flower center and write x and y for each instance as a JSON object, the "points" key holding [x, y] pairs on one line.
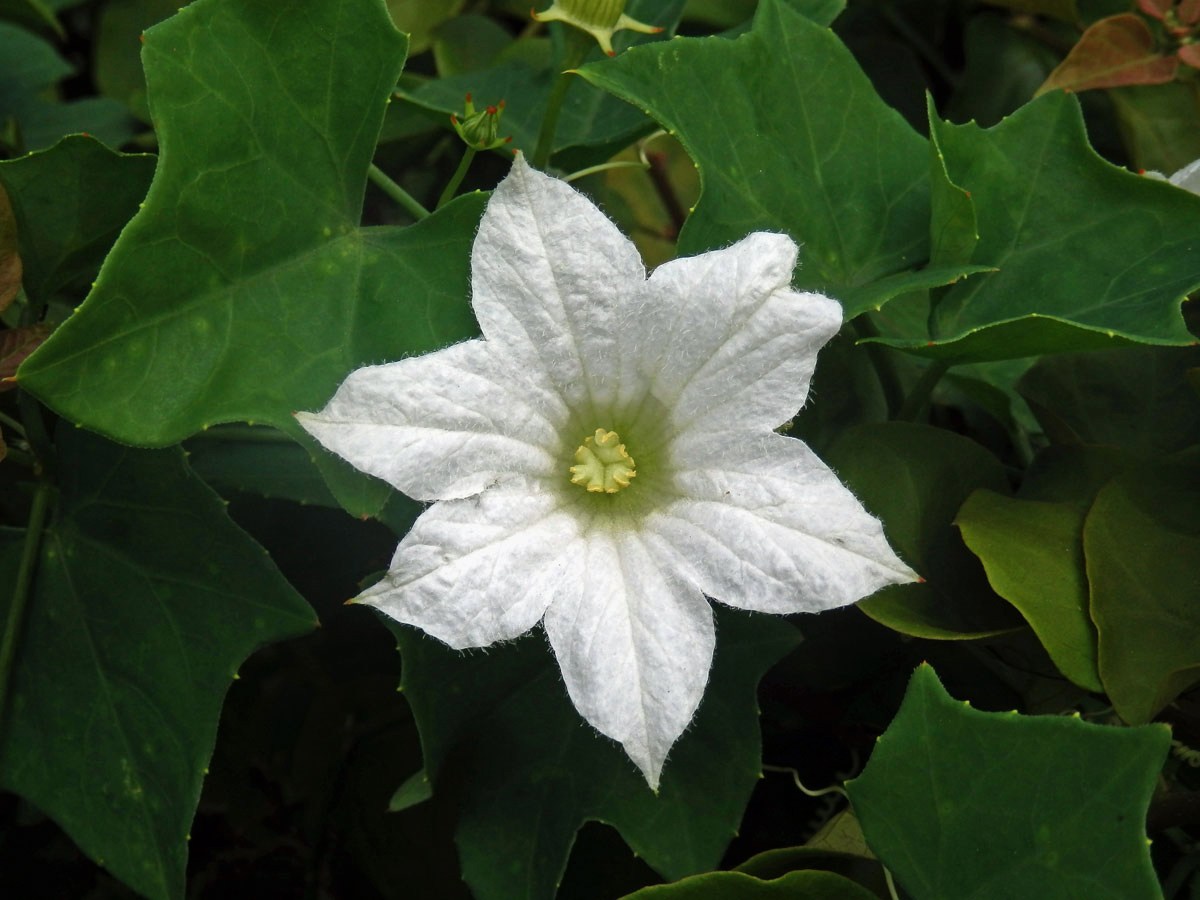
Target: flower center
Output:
{"points": [[602, 463]]}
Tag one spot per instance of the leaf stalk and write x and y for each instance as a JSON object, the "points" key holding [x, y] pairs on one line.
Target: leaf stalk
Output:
{"points": [[397, 193]]}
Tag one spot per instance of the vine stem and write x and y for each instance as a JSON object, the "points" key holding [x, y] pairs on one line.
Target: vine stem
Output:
{"points": [[918, 397], [397, 193], [456, 178], [22, 590], [819, 792], [10, 422], [575, 49]]}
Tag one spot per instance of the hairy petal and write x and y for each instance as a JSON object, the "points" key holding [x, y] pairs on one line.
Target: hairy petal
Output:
{"points": [[764, 525], [480, 570], [735, 346], [552, 281], [634, 642], [444, 425]]}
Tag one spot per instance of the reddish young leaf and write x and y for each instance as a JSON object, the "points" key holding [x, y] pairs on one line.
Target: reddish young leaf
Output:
{"points": [[1156, 8], [15, 345], [1190, 54], [1115, 51], [1188, 12], [10, 262]]}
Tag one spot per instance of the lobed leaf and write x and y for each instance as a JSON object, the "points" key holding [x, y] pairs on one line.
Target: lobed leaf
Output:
{"points": [[245, 289], [147, 599], [65, 228], [970, 805], [1088, 255], [503, 744], [829, 163]]}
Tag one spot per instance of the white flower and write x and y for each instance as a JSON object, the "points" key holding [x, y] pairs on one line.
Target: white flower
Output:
{"points": [[1187, 178], [605, 456]]}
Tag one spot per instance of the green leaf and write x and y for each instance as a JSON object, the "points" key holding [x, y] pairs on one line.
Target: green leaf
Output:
{"points": [[117, 49], [246, 288], [146, 600], [29, 69], [915, 478], [1159, 124], [789, 135], [1004, 65], [259, 461], [1033, 554], [1137, 398], [416, 789], [524, 76], [64, 229], [803, 885], [953, 226], [417, 18], [31, 13], [467, 43], [1142, 545], [503, 744], [967, 805], [1089, 255]]}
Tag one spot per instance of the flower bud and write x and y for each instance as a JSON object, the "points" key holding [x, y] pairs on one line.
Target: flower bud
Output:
{"points": [[599, 18], [479, 129]]}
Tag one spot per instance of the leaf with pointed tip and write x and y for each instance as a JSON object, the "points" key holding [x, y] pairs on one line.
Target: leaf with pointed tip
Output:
{"points": [[147, 599], [960, 803], [915, 478], [64, 229], [1033, 554], [829, 163], [1115, 51], [1089, 255], [246, 288], [503, 744]]}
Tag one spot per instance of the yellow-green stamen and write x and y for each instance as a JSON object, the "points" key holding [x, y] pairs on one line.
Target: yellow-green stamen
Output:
{"points": [[602, 463]]}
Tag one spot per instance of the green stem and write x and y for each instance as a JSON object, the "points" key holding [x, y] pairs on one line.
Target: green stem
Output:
{"points": [[575, 48], [604, 167], [23, 589], [918, 398], [10, 422], [397, 193], [456, 178], [35, 430]]}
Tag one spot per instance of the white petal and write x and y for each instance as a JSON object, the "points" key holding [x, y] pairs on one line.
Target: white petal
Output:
{"points": [[634, 642], [444, 425], [1188, 177], [555, 284], [765, 525], [737, 346], [480, 570]]}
